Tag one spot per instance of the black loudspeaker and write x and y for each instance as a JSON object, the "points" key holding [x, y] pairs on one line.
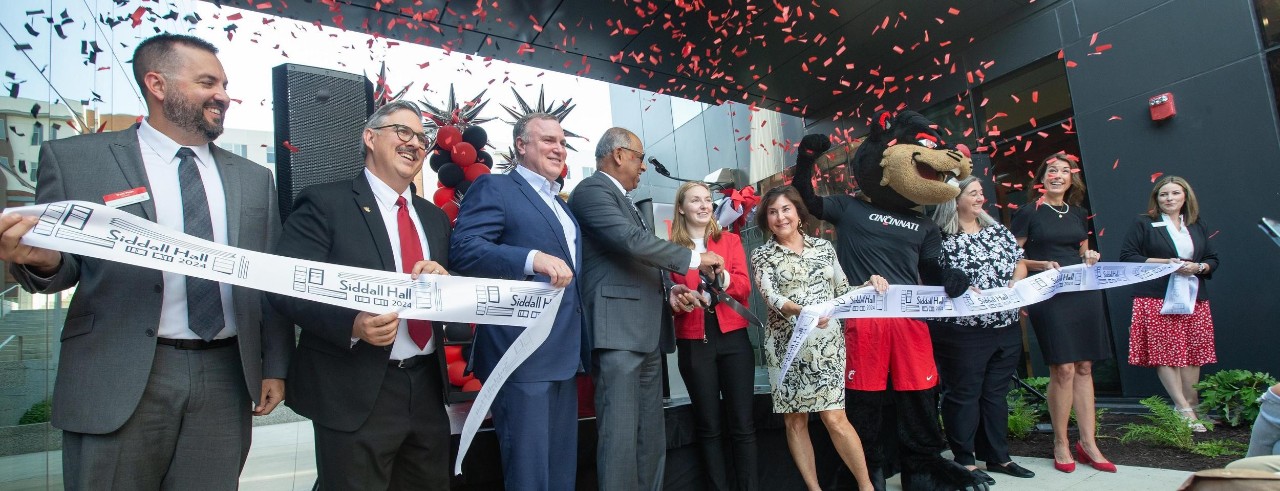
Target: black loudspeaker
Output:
{"points": [[319, 115]]}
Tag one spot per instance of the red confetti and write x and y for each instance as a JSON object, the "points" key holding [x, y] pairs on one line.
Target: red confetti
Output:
{"points": [[1116, 164], [235, 16], [1114, 118], [953, 11], [292, 149], [1156, 176]]}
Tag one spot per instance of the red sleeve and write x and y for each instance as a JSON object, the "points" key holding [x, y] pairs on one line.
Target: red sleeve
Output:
{"points": [[735, 261]]}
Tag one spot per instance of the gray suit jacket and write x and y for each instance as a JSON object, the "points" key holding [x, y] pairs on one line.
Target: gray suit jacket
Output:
{"points": [[109, 339], [622, 268]]}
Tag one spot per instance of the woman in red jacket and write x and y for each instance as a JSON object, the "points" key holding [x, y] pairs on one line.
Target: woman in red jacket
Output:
{"points": [[714, 352]]}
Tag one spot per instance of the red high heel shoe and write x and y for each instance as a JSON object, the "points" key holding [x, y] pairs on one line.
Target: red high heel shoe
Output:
{"points": [[1068, 467], [1084, 457]]}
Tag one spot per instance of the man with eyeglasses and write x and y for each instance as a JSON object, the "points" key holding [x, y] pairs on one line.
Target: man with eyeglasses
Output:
{"points": [[623, 269], [370, 381]]}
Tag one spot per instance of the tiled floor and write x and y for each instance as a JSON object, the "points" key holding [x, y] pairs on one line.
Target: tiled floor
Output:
{"points": [[282, 459]]}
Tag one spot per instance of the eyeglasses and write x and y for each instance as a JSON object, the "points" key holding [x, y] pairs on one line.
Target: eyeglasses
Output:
{"points": [[641, 154], [405, 134]]}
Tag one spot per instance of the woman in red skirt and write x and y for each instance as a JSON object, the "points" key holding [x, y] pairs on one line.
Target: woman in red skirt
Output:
{"points": [[1176, 344]]}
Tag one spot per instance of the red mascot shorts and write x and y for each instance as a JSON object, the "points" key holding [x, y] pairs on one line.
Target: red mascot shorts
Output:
{"points": [[878, 348]]}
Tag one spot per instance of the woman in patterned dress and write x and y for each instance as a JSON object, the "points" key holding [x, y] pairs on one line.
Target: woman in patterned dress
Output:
{"points": [[978, 355], [794, 270], [1177, 345]]}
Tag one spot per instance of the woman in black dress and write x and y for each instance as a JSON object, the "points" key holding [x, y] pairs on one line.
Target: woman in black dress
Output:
{"points": [[1071, 327]]}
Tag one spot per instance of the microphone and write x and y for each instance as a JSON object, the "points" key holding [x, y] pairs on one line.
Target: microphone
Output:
{"points": [[657, 166]]}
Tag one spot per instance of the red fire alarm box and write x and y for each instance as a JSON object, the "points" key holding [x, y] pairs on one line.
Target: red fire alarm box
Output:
{"points": [[1162, 107]]}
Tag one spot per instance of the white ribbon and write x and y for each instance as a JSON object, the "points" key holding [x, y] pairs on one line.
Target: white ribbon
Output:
{"points": [[93, 230], [1180, 295], [912, 301]]}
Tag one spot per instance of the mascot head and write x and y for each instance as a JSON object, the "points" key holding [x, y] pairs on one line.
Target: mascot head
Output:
{"points": [[904, 162]]}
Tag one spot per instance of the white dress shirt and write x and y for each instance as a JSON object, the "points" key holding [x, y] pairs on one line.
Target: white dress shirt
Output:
{"points": [[403, 347], [549, 191], [160, 159], [1181, 236]]}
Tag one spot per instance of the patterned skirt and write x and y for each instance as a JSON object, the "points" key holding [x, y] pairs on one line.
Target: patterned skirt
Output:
{"points": [[1158, 340], [815, 381]]}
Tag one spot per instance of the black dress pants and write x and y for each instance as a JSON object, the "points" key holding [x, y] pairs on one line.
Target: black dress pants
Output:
{"points": [[722, 365], [976, 365]]}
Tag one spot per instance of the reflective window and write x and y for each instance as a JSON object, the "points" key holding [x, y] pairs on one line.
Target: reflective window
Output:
{"points": [[1268, 21]]}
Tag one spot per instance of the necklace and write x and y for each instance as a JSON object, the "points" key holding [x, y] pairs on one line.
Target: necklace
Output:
{"points": [[1055, 210]]}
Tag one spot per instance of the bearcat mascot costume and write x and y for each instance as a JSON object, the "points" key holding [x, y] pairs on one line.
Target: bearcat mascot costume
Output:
{"points": [[902, 164]]}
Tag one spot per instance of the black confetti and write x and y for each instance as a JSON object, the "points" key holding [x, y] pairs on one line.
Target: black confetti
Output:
{"points": [[58, 29], [64, 14], [96, 97], [31, 30], [10, 75], [15, 131], [35, 110], [13, 90], [35, 12], [172, 15], [22, 47]]}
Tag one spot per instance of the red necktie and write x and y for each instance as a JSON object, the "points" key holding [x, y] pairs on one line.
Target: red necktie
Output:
{"points": [[410, 254]]}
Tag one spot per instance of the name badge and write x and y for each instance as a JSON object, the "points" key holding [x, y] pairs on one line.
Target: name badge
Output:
{"points": [[1160, 224], [125, 198]]}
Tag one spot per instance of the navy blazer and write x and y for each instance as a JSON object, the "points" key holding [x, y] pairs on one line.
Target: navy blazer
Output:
{"points": [[501, 219], [1147, 241]]}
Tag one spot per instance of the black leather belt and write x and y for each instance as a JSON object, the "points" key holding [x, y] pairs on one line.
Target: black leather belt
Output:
{"points": [[196, 344], [411, 362]]}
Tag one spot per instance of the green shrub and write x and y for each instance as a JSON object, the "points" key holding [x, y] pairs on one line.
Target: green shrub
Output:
{"points": [[1022, 418], [39, 413], [1234, 394], [1166, 427], [1025, 409]]}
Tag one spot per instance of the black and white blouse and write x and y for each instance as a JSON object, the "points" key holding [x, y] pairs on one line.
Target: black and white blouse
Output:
{"points": [[988, 258]]}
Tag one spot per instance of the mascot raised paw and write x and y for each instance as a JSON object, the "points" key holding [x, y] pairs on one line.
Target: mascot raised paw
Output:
{"points": [[900, 166]]}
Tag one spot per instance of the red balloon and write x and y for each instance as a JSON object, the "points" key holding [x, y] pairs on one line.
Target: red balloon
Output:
{"points": [[448, 136], [463, 153], [564, 171], [455, 373], [450, 209], [471, 172], [452, 354], [442, 196], [472, 385]]}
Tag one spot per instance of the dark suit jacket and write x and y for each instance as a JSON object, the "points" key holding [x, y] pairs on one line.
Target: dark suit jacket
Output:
{"points": [[330, 381], [502, 218], [622, 281], [109, 339], [1145, 241]]}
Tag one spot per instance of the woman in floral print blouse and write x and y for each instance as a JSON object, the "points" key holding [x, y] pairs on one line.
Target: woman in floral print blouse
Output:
{"points": [[978, 355]]}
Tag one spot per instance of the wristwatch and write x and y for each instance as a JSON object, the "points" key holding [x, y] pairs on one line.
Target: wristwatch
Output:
{"points": [[1200, 270]]}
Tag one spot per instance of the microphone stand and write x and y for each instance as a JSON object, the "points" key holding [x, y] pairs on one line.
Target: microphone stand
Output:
{"points": [[717, 187]]}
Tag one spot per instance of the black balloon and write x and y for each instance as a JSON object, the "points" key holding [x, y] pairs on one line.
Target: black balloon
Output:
{"points": [[462, 188], [437, 160], [476, 136], [451, 175], [484, 158]]}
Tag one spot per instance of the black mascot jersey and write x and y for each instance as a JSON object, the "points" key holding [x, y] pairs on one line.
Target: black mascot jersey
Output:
{"points": [[883, 242]]}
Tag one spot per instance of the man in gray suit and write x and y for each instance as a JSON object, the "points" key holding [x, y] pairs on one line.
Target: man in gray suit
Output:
{"points": [[623, 273], [159, 373]]}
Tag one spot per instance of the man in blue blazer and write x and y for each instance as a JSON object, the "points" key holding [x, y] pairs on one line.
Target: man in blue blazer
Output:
{"points": [[515, 226]]}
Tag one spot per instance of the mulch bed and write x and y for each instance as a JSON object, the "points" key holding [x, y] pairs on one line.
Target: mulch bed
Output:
{"points": [[1137, 454]]}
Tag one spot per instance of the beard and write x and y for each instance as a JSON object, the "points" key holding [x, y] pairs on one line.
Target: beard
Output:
{"points": [[189, 115]]}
